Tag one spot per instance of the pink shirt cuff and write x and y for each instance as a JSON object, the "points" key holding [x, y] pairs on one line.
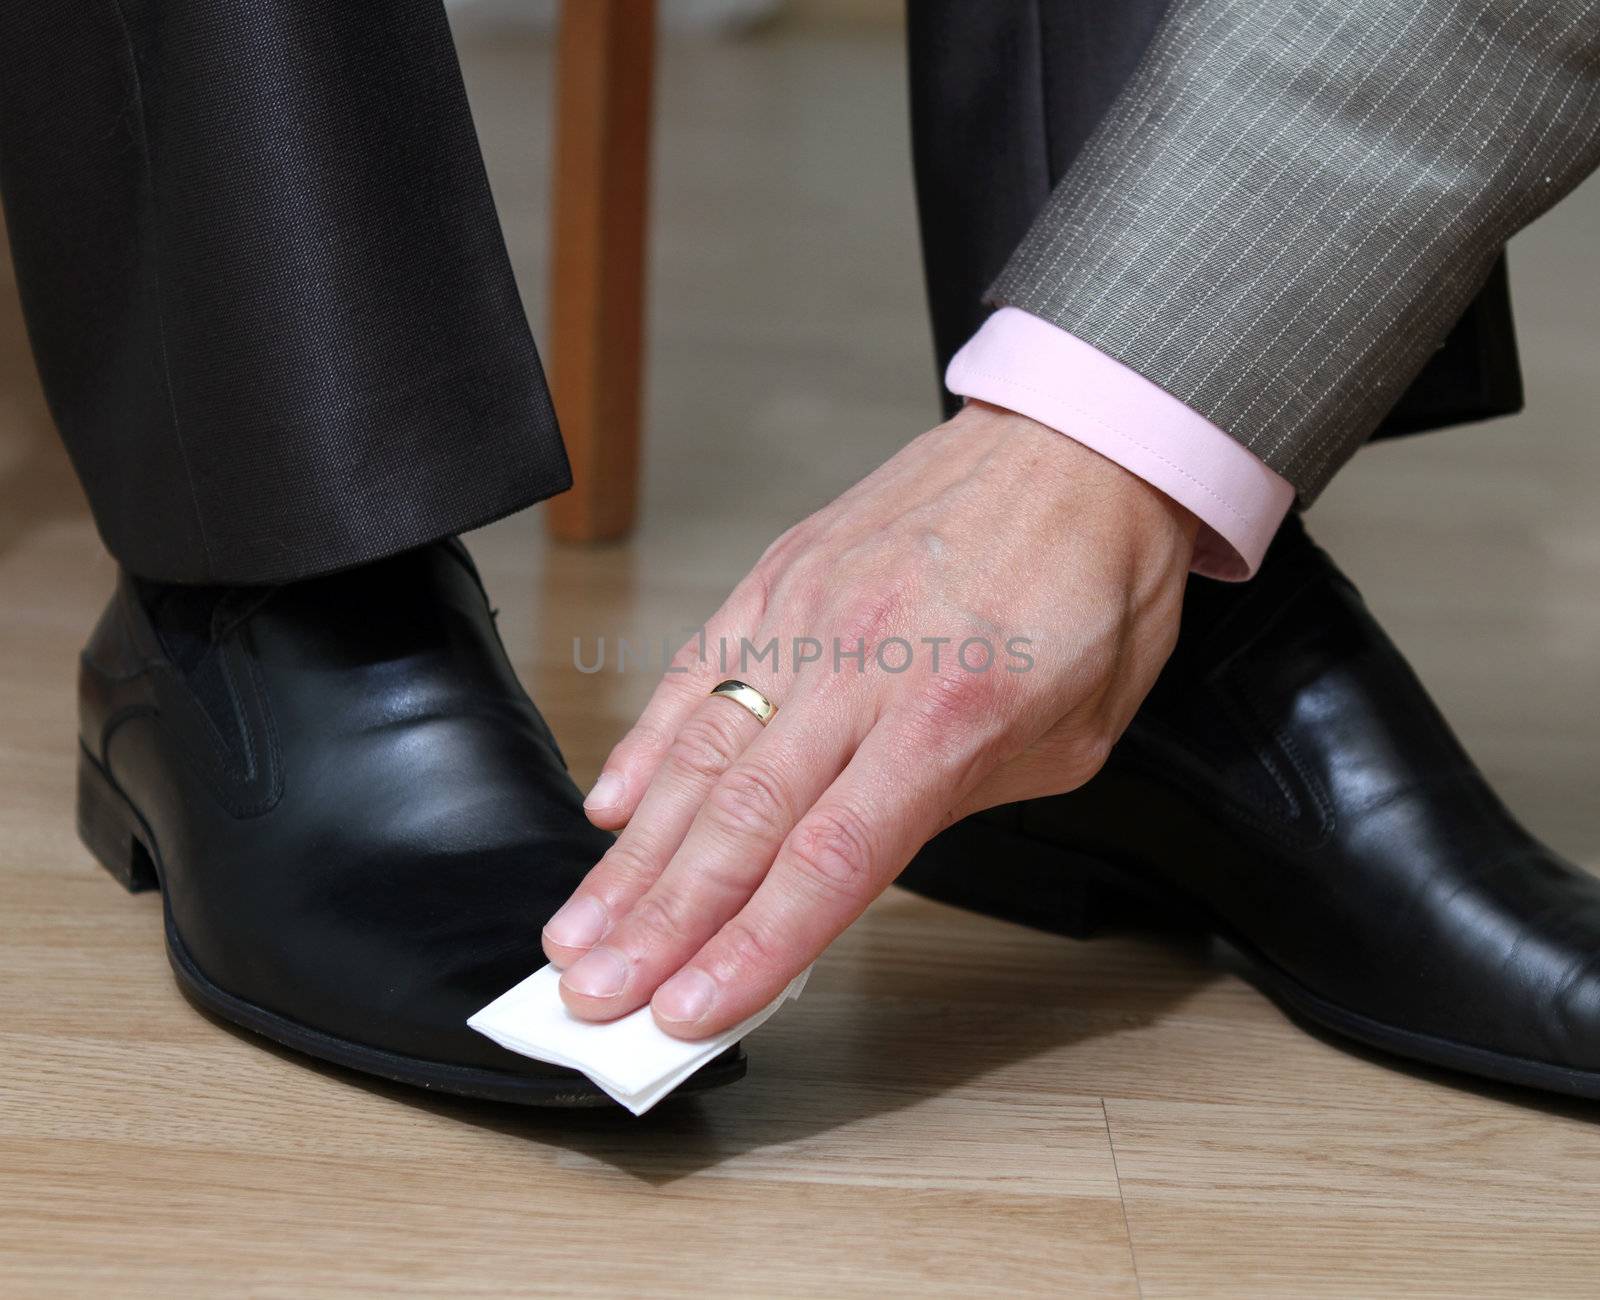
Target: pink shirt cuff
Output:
{"points": [[1026, 364]]}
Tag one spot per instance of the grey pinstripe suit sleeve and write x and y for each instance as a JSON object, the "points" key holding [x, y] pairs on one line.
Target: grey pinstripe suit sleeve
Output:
{"points": [[1292, 201]]}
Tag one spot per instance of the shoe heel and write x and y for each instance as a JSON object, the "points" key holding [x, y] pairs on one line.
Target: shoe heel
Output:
{"points": [[990, 868], [107, 826]]}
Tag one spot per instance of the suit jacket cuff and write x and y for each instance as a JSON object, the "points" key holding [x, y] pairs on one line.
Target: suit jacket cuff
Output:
{"points": [[1028, 365]]}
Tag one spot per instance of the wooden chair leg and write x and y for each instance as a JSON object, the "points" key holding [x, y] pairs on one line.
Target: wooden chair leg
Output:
{"points": [[595, 338]]}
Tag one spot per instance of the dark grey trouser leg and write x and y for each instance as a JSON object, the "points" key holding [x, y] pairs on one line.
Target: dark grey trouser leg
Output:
{"points": [[265, 282]]}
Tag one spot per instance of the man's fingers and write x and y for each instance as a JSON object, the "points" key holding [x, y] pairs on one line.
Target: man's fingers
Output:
{"points": [[705, 746], [840, 856], [735, 835]]}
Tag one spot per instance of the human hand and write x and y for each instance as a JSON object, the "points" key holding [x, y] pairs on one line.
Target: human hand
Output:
{"points": [[745, 850]]}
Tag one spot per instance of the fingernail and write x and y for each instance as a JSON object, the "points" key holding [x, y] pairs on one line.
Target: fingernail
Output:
{"points": [[600, 973], [607, 792], [686, 997], [579, 924]]}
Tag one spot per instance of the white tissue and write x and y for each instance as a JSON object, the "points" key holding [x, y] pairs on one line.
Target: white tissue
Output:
{"points": [[632, 1059]]}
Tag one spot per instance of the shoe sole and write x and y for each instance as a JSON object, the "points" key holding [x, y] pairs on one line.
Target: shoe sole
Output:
{"points": [[112, 829], [1051, 888]]}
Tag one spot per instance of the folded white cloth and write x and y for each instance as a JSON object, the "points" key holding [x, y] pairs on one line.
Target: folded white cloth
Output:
{"points": [[632, 1058]]}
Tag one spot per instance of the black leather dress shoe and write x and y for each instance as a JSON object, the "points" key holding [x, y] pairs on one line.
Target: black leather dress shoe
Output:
{"points": [[358, 819], [1290, 787]]}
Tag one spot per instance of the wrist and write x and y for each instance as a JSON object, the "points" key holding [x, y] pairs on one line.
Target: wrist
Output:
{"points": [[1135, 507]]}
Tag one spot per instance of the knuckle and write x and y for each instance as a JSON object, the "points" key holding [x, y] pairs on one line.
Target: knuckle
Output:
{"points": [[957, 700], [832, 850], [745, 947], [687, 661], [747, 801], [802, 586], [702, 749], [659, 919], [868, 619], [642, 738], [626, 868], [782, 549]]}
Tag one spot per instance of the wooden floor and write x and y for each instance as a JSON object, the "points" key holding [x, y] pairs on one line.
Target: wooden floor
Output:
{"points": [[956, 1106]]}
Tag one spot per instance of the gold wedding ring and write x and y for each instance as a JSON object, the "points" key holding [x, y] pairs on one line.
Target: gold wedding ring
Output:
{"points": [[747, 695]]}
